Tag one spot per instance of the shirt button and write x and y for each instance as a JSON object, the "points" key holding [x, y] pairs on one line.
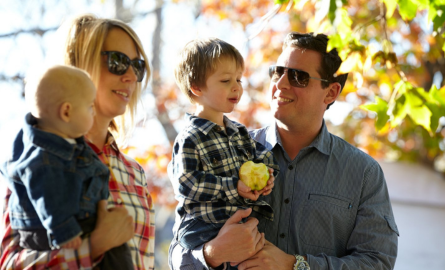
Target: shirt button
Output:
{"points": [[282, 235], [119, 201], [286, 201], [290, 167]]}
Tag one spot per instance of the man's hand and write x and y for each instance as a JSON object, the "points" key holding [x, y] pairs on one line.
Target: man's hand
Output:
{"points": [[235, 242], [270, 257], [113, 228]]}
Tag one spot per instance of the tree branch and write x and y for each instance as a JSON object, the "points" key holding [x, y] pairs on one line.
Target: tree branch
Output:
{"points": [[37, 31]]}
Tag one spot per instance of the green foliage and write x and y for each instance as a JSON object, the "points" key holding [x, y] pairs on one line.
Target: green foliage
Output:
{"points": [[381, 108], [424, 108], [407, 9], [332, 9]]}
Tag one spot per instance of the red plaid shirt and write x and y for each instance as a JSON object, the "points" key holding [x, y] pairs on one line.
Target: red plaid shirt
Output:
{"points": [[128, 188]]}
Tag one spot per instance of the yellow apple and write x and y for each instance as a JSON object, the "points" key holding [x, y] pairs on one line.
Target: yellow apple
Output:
{"points": [[254, 175]]}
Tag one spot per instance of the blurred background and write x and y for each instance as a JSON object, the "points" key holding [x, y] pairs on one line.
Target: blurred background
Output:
{"points": [[392, 107]]}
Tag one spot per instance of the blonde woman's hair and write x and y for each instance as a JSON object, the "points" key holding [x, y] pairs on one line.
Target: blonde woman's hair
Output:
{"points": [[84, 42]]}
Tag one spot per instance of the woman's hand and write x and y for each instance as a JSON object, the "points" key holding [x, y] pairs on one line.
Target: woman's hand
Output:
{"points": [[73, 243], [113, 228]]}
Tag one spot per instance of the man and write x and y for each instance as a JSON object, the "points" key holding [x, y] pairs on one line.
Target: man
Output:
{"points": [[330, 200]]}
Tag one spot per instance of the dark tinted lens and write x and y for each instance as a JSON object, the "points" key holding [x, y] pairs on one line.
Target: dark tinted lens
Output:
{"points": [[139, 68], [298, 78], [118, 63], [275, 73]]}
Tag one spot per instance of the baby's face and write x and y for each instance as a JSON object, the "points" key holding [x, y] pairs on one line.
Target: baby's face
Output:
{"points": [[83, 112]]}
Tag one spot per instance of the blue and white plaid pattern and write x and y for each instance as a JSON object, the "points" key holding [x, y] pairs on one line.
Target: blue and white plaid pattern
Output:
{"points": [[204, 169]]}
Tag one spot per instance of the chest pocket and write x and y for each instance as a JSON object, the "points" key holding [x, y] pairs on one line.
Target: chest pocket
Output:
{"points": [[327, 222], [245, 153], [216, 161]]}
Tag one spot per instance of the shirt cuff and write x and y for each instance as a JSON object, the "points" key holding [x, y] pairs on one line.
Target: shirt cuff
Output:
{"points": [[200, 254]]}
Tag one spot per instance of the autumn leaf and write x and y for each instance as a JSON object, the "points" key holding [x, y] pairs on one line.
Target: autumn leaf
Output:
{"points": [[390, 7]]}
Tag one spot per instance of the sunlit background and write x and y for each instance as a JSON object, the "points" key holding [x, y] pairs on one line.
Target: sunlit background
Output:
{"points": [[28, 31]]}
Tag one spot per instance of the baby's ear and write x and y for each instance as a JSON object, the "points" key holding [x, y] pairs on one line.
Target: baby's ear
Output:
{"points": [[196, 90], [65, 112]]}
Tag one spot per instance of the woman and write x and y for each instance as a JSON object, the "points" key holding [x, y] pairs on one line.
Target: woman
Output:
{"points": [[110, 51]]}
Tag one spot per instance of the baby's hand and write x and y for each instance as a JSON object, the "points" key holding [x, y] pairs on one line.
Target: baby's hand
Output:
{"points": [[74, 243]]}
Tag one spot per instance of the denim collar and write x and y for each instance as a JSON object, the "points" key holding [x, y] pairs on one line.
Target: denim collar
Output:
{"points": [[50, 142], [322, 142]]}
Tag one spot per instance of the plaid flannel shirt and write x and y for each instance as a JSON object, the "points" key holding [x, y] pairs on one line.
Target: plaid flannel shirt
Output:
{"points": [[128, 188], [204, 169]]}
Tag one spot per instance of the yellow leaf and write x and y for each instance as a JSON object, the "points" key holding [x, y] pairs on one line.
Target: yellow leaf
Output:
{"points": [[358, 79], [350, 63], [368, 63]]}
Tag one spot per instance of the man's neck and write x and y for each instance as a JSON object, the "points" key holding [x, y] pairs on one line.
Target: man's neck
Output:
{"points": [[295, 138]]}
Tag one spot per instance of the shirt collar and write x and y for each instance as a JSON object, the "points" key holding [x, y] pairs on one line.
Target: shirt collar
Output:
{"points": [[111, 142], [205, 126], [322, 142], [52, 143]]}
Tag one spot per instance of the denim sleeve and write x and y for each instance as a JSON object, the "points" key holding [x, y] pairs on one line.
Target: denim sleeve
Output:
{"points": [[373, 242], [55, 208], [180, 258], [16, 258]]}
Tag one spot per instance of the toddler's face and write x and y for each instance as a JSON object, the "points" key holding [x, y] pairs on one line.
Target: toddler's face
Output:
{"points": [[223, 89], [83, 112]]}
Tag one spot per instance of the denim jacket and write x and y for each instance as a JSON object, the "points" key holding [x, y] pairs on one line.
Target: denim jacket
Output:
{"points": [[54, 183]]}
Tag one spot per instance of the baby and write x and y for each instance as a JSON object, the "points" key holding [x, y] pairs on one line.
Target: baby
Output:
{"points": [[55, 177]]}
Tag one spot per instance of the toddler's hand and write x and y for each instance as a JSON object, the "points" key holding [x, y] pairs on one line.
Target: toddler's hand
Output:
{"points": [[245, 191], [74, 243], [270, 184]]}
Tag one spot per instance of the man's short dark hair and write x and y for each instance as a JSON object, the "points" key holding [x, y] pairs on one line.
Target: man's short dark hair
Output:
{"points": [[330, 61]]}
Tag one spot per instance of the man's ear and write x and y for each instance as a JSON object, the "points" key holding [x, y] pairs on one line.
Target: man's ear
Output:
{"points": [[332, 92], [196, 90], [65, 112]]}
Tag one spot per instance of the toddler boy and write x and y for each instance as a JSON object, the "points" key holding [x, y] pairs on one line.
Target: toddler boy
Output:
{"points": [[209, 151]]}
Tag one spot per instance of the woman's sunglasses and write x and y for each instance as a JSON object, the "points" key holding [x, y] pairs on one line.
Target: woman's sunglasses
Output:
{"points": [[297, 78], [118, 63]]}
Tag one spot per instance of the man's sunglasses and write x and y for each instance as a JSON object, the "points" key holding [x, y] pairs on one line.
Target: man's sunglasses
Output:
{"points": [[118, 63], [297, 78]]}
